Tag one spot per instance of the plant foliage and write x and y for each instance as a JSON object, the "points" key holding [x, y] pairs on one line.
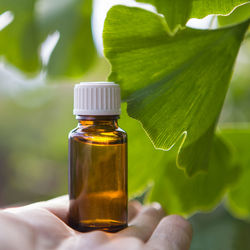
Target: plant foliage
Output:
{"points": [[173, 78], [178, 12], [239, 195], [172, 188], [174, 85], [34, 20]]}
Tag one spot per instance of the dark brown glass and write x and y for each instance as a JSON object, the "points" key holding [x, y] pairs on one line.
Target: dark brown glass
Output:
{"points": [[98, 175]]}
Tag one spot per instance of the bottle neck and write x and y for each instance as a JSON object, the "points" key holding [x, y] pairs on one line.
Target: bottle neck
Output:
{"points": [[108, 120]]}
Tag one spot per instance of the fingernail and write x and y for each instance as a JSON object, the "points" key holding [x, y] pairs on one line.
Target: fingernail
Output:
{"points": [[156, 205]]}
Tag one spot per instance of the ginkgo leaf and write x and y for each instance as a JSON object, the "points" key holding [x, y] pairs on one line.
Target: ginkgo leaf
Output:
{"points": [[34, 21], [239, 14], [174, 85], [156, 170], [200, 192], [75, 51], [178, 12], [20, 41], [239, 195]]}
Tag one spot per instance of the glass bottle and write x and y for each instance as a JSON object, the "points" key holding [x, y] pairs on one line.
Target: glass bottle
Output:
{"points": [[97, 160]]}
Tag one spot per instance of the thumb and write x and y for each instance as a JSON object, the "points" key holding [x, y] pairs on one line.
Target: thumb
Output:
{"points": [[172, 233]]}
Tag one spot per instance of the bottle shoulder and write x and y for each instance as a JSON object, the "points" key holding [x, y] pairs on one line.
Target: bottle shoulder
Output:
{"points": [[98, 135]]}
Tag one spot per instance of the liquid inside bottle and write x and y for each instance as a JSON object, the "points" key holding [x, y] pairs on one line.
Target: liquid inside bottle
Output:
{"points": [[98, 175]]}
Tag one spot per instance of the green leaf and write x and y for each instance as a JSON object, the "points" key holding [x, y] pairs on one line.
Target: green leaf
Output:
{"points": [[178, 12], [174, 85], [238, 15], [19, 41], [169, 185], [184, 195], [75, 52], [143, 160], [239, 196], [34, 20]]}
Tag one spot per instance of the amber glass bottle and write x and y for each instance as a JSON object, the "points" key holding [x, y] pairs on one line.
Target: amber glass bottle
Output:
{"points": [[97, 160]]}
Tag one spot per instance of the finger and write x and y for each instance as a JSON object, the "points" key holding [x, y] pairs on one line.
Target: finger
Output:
{"points": [[134, 207], [48, 227], [173, 232], [58, 206], [144, 223]]}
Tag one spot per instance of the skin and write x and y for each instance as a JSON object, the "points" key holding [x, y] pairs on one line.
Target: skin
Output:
{"points": [[43, 225]]}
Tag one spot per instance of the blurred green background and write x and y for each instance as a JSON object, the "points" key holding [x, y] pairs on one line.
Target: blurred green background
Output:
{"points": [[36, 119]]}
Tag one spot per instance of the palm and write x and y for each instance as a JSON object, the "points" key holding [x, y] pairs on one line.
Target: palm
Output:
{"points": [[43, 225]]}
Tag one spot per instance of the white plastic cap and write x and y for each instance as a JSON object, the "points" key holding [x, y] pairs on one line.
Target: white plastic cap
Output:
{"points": [[97, 98]]}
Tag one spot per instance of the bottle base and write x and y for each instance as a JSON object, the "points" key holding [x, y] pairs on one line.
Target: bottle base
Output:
{"points": [[108, 228]]}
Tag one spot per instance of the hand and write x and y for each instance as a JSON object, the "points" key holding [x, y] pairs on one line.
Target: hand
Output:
{"points": [[43, 225]]}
